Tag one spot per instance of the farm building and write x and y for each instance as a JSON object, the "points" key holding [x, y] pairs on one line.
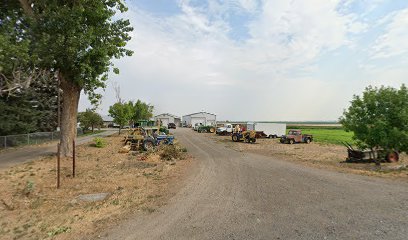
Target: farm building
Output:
{"points": [[167, 118], [107, 121], [204, 118]]}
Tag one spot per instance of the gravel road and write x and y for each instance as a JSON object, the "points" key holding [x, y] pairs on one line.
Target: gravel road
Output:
{"points": [[28, 153], [235, 195]]}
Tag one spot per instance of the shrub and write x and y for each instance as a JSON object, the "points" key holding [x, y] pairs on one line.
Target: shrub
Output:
{"points": [[170, 152], [99, 142]]}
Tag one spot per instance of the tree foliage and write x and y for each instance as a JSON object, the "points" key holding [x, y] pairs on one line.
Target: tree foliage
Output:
{"points": [[30, 109], [379, 118], [76, 39], [16, 63], [141, 110], [89, 119], [121, 113], [124, 113], [79, 38]]}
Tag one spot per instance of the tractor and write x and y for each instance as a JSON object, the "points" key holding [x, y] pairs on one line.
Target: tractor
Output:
{"points": [[246, 136], [147, 138], [206, 129]]}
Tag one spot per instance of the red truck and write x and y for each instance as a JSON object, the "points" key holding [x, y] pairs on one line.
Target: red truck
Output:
{"points": [[296, 136]]}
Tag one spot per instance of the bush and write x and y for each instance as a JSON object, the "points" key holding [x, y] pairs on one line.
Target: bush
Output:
{"points": [[99, 142], [170, 152], [378, 118]]}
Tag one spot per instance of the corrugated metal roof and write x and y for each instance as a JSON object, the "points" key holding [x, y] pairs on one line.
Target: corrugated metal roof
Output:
{"points": [[198, 113], [171, 115]]}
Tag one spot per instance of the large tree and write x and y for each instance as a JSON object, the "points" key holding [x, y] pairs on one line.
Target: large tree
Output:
{"points": [[379, 118], [77, 40]]}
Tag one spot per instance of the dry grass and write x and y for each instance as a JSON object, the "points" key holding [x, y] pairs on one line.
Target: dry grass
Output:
{"points": [[32, 208], [322, 155]]}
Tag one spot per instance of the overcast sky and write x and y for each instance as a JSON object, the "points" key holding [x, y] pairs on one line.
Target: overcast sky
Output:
{"points": [[260, 60]]}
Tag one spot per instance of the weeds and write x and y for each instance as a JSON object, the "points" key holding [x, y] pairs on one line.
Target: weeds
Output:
{"points": [[99, 142], [170, 152], [58, 230], [29, 188]]}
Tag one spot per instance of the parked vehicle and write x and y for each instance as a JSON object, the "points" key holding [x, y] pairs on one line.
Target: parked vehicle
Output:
{"points": [[171, 126], [196, 126], [206, 129], [270, 130], [247, 136], [296, 136], [226, 130]]}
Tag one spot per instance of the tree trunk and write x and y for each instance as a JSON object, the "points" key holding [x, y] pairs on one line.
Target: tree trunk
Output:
{"points": [[70, 99]]}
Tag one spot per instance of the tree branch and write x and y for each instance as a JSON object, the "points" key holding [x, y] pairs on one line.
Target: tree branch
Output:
{"points": [[20, 80], [26, 5]]}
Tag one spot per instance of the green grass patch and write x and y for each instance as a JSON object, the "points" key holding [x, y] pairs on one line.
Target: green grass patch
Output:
{"points": [[327, 134]]}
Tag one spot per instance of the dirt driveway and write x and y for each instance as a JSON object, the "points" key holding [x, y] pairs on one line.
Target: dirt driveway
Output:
{"points": [[237, 195], [319, 155]]}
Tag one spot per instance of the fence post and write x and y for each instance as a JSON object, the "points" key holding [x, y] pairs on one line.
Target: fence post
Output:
{"points": [[5, 142], [73, 158], [28, 139], [58, 165], [52, 136]]}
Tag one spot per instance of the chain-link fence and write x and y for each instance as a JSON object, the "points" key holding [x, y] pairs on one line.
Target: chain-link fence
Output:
{"points": [[30, 138]]}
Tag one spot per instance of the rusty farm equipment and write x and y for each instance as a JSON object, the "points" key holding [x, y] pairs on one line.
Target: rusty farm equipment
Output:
{"points": [[146, 138], [246, 136], [369, 156]]}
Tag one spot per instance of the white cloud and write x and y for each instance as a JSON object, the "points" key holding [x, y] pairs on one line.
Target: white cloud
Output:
{"points": [[394, 42], [188, 62]]}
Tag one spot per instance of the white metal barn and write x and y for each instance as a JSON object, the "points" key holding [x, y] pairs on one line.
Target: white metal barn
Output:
{"points": [[167, 118], [204, 118]]}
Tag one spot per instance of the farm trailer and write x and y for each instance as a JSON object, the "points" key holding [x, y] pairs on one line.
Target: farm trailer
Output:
{"points": [[270, 130]]}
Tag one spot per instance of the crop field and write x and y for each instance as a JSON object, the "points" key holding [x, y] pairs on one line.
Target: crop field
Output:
{"points": [[326, 134]]}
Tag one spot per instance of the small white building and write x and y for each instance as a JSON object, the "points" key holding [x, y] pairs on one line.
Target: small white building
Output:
{"points": [[167, 118], [108, 121], [204, 118]]}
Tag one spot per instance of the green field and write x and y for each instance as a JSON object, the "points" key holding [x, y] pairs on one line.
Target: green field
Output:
{"points": [[325, 134]]}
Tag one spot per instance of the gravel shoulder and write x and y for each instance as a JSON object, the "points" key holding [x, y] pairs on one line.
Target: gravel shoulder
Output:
{"points": [[241, 195]]}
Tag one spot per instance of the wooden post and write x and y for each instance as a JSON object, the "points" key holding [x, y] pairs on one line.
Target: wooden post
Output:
{"points": [[73, 158], [58, 165]]}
